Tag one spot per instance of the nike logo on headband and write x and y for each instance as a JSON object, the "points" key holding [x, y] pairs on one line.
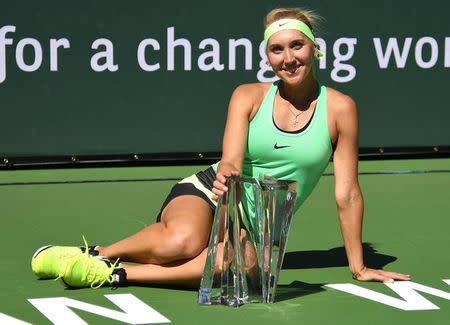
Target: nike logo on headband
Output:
{"points": [[282, 24]]}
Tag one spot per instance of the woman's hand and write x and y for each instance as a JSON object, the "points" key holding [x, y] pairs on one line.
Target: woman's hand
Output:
{"points": [[219, 187], [367, 274]]}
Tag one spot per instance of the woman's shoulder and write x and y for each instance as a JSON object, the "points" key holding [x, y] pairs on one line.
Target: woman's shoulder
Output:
{"points": [[342, 112], [339, 102], [256, 90], [249, 97]]}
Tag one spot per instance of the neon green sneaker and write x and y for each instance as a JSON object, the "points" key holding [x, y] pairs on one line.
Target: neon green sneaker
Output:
{"points": [[47, 260], [84, 270]]}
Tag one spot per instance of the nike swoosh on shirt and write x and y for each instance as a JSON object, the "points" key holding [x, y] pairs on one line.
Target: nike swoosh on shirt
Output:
{"points": [[276, 146]]}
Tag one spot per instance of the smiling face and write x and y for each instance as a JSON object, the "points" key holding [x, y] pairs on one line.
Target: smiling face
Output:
{"points": [[291, 55]]}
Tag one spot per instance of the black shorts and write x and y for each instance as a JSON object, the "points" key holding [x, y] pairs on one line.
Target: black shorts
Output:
{"points": [[199, 184]]}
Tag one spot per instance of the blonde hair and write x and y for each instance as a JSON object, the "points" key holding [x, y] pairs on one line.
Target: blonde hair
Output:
{"points": [[309, 17]]}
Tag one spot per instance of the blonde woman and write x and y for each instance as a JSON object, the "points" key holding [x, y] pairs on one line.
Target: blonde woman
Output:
{"points": [[288, 129]]}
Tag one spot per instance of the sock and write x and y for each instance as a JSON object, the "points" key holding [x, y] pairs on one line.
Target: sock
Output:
{"points": [[91, 249], [119, 277]]}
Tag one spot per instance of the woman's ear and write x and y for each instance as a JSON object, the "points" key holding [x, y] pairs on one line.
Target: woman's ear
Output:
{"points": [[316, 52]]}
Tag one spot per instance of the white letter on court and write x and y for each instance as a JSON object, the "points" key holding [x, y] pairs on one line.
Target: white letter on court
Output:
{"points": [[392, 46], [134, 310], [4, 41], [419, 52], [54, 44], [171, 44], [232, 45], [141, 54], [108, 54], [8, 320], [405, 289], [37, 54], [214, 54]]}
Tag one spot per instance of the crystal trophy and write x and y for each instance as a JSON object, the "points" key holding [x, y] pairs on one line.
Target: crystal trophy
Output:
{"points": [[247, 242]]}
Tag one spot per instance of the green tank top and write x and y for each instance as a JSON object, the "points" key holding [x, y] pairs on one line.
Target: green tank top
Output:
{"points": [[298, 156]]}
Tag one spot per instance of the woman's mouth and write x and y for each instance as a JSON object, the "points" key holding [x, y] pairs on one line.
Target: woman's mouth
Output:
{"points": [[291, 70]]}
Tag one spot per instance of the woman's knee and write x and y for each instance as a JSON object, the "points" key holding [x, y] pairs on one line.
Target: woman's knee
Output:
{"points": [[185, 240]]}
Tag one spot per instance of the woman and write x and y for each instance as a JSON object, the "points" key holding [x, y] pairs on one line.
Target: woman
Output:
{"points": [[288, 129]]}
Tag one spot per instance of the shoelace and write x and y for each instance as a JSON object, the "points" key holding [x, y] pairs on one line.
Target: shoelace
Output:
{"points": [[92, 272], [108, 279], [63, 270], [97, 271]]}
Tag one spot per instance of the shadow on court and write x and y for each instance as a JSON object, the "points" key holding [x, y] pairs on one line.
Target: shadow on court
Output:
{"points": [[334, 257], [297, 289]]}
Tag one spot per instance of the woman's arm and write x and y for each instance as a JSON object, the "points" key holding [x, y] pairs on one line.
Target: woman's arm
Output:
{"points": [[348, 194], [235, 135]]}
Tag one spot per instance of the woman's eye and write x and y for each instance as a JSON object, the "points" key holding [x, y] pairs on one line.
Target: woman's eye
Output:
{"points": [[276, 49]]}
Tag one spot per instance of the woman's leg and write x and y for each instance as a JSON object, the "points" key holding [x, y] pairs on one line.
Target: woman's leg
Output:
{"points": [[185, 273], [182, 234], [188, 273]]}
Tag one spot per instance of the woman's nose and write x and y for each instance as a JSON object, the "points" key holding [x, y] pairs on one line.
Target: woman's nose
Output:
{"points": [[288, 56]]}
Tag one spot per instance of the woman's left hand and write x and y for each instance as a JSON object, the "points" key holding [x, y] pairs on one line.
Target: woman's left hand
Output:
{"points": [[367, 274]]}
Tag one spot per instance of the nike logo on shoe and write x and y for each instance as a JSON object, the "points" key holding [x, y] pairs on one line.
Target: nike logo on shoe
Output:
{"points": [[276, 146]]}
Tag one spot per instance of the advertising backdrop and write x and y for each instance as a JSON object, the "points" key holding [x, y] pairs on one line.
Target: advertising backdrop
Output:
{"points": [[118, 77]]}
